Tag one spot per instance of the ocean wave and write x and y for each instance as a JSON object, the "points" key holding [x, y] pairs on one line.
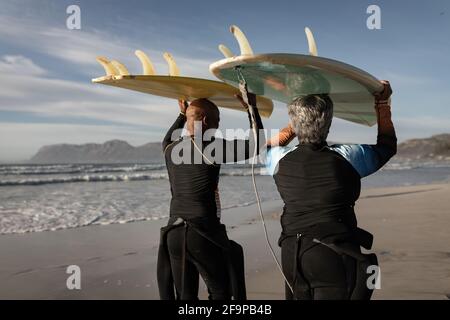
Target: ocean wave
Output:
{"points": [[85, 178], [399, 166], [81, 169], [100, 219], [111, 178], [74, 169], [28, 209], [240, 173], [150, 172], [41, 228]]}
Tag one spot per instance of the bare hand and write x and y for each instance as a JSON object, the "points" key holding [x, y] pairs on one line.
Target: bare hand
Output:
{"points": [[386, 93], [183, 104]]}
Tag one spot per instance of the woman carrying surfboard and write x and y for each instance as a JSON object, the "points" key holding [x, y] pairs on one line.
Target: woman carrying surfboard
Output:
{"points": [[319, 184]]}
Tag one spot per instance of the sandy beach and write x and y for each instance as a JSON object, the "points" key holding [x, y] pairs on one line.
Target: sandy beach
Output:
{"points": [[118, 261]]}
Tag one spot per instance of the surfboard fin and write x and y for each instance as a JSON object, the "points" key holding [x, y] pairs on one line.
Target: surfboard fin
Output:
{"points": [[244, 45], [147, 66], [311, 42], [107, 65], [173, 68], [225, 51], [123, 71]]}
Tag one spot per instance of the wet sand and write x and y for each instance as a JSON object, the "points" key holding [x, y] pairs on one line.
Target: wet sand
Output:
{"points": [[412, 240]]}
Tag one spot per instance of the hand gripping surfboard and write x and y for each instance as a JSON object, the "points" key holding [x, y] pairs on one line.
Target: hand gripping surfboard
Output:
{"points": [[284, 77], [173, 85]]}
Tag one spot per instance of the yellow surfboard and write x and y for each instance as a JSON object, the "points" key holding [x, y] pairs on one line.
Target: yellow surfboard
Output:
{"points": [[185, 88], [173, 85]]}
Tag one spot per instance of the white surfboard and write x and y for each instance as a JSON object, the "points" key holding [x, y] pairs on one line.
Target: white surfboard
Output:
{"points": [[284, 77]]}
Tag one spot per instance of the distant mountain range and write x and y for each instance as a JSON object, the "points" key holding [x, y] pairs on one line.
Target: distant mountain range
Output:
{"points": [[434, 148], [114, 151], [118, 151]]}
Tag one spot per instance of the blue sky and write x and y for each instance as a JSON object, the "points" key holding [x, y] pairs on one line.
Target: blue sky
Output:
{"points": [[46, 95]]}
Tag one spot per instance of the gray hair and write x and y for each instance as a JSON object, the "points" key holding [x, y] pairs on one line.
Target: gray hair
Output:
{"points": [[310, 117]]}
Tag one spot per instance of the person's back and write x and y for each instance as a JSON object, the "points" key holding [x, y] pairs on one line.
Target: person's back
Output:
{"points": [[317, 185], [193, 185]]}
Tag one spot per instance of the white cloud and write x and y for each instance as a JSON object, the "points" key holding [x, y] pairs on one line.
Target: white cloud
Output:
{"points": [[80, 47], [19, 65], [34, 91], [64, 98]]}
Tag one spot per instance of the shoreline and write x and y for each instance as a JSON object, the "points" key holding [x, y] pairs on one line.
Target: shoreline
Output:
{"points": [[118, 261]]}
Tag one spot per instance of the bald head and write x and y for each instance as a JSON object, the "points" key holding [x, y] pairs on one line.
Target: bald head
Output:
{"points": [[204, 111]]}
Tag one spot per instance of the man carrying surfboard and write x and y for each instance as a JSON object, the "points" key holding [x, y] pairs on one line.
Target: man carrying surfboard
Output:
{"points": [[319, 184], [194, 241]]}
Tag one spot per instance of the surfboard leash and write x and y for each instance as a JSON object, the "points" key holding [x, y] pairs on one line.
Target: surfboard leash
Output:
{"points": [[244, 92]]}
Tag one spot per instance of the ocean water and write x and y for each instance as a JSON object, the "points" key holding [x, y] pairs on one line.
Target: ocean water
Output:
{"points": [[37, 198]]}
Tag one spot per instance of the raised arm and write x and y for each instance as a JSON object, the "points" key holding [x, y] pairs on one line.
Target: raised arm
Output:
{"points": [[283, 138], [365, 158], [178, 124], [386, 138], [241, 149]]}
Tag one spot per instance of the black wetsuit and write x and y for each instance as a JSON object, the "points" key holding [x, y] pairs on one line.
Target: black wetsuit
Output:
{"points": [[320, 241], [193, 184]]}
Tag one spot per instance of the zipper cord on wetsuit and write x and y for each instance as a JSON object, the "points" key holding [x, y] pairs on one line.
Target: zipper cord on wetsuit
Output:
{"points": [[244, 91], [201, 152]]}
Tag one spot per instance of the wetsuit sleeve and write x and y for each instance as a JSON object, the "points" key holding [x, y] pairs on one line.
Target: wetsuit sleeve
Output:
{"points": [[241, 149], [367, 159], [178, 124]]}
